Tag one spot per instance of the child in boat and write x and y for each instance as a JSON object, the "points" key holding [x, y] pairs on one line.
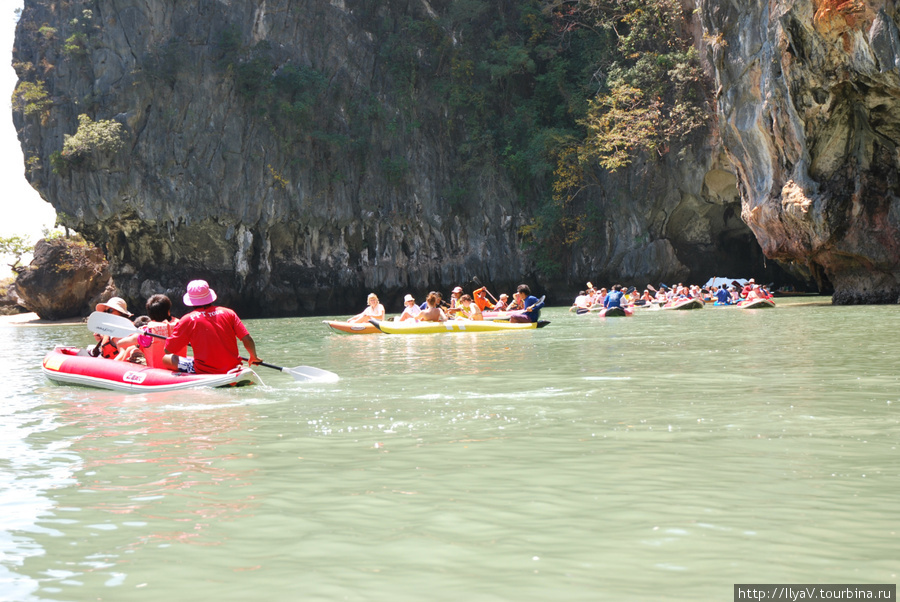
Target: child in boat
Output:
{"points": [[161, 323], [466, 309], [517, 302], [130, 349]]}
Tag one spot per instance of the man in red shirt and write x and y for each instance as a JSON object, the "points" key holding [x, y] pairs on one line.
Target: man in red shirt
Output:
{"points": [[747, 288], [212, 331]]}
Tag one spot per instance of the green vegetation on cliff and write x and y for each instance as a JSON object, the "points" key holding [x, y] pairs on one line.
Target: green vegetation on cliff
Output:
{"points": [[542, 94], [548, 92], [541, 91]]}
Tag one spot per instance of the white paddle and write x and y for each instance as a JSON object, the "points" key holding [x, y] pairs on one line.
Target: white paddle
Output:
{"points": [[118, 326]]}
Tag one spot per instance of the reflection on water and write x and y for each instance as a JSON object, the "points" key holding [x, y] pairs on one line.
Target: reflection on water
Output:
{"points": [[591, 459]]}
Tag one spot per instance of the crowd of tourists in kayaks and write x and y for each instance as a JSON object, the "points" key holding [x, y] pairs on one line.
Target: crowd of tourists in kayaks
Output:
{"points": [[458, 314], [737, 293], [524, 307]]}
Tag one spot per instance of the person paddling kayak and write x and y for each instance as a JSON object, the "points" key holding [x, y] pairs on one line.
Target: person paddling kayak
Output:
{"points": [[532, 305], [212, 331], [614, 298]]}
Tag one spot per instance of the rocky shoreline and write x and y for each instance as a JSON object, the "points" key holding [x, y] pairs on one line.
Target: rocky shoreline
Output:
{"points": [[32, 319]]}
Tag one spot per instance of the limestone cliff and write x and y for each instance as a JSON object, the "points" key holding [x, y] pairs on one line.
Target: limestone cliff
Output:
{"points": [[808, 99], [189, 170]]}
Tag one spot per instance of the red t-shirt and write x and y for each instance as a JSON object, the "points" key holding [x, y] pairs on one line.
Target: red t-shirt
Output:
{"points": [[212, 333]]}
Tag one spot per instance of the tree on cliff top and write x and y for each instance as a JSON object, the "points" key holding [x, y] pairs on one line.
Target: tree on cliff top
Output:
{"points": [[15, 247]]}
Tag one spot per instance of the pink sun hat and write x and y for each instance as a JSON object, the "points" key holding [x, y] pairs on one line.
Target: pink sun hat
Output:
{"points": [[199, 293]]}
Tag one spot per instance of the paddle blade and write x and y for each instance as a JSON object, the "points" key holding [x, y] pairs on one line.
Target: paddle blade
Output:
{"points": [[311, 374], [110, 325]]}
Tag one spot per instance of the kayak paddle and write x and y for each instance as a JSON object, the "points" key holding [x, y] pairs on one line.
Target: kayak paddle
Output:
{"points": [[118, 326], [478, 282], [304, 373]]}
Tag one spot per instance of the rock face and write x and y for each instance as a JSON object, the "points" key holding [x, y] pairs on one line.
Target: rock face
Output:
{"points": [[209, 186], [64, 280], [9, 300], [809, 101]]}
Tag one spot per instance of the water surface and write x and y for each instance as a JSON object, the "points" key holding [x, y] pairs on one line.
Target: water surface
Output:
{"points": [[664, 456]]}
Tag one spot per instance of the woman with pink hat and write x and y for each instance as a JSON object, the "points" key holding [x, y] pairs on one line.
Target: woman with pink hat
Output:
{"points": [[212, 331]]}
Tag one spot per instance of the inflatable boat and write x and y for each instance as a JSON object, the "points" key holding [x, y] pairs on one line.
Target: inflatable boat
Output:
{"points": [[73, 366], [454, 326], [756, 304], [684, 304], [500, 316], [616, 312], [351, 327]]}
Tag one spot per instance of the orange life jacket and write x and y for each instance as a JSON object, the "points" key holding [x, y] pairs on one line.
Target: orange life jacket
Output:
{"points": [[108, 348]]}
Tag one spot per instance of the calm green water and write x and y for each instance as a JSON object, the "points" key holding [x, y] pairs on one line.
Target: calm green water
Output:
{"points": [[664, 456]]}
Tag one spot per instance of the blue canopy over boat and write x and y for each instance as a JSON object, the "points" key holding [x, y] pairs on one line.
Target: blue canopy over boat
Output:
{"points": [[717, 282]]}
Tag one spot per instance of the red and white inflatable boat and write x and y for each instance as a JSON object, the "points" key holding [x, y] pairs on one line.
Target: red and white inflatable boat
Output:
{"points": [[756, 303], [72, 366], [616, 312], [684, 304]]}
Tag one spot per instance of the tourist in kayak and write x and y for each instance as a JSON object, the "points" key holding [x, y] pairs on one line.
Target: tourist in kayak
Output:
{"points": [[532, 305], [375, 310], [212, 332], [644, 300], [756, 293], [160, 322], [454, 296], [516, 303], [108, 347], [614, 298], [440, 300], [466, 309], [723, 297], [131, 348], [502, 303], [432, 313], [747, 288], [411, 310], [582, 302]]}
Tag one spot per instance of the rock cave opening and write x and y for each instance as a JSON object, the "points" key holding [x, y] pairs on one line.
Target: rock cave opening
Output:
{"points": [[733, 252]]}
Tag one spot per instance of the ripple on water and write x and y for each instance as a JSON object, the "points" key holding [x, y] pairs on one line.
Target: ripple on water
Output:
{"points": [[590, 459]]}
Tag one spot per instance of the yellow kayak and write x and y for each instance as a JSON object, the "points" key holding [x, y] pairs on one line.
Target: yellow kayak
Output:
{"points": [[410, 327]]}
